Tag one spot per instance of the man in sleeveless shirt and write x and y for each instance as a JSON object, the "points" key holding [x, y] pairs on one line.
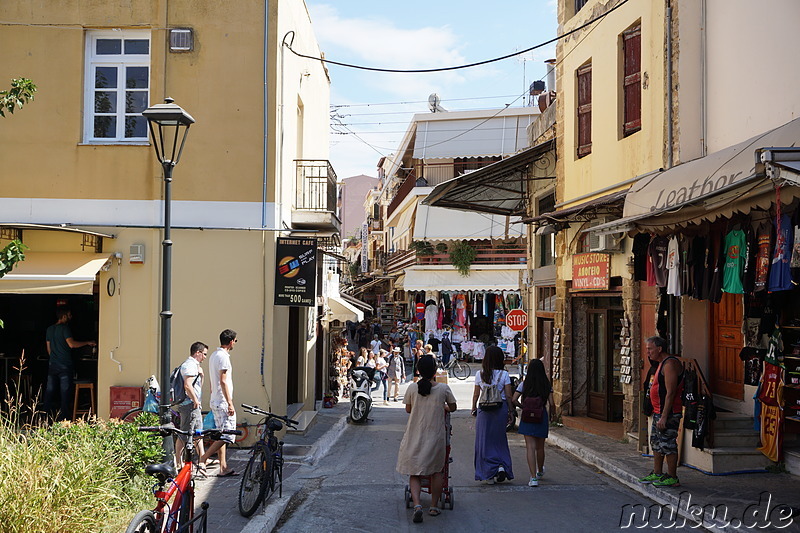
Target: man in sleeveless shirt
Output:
{"points": [[665, 392]]}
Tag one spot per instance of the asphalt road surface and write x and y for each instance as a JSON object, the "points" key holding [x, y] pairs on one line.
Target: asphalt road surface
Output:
{"points": [[356, 487]]}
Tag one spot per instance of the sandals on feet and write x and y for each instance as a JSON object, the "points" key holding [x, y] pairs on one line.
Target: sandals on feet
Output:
{"points": [[417, 514], [434, 511]]}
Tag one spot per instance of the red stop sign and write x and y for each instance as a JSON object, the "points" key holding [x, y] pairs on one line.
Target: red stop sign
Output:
{"points": [[517, 320]]}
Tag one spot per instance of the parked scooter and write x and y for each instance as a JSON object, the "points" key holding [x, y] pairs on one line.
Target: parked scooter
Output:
{"points": [[360, 398]]}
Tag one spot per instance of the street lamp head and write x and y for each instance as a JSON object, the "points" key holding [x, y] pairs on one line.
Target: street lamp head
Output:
{"points": [[169, 124]]}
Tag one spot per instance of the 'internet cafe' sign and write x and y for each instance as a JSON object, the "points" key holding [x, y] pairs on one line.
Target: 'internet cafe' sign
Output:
{"points": [[591, 271], [296, 272]]}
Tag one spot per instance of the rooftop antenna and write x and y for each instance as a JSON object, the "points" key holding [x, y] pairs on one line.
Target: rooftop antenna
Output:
{"points": [[433, 104]]}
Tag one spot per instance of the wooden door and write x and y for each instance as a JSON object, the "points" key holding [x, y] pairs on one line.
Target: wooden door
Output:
{"points": [[726, 371], [648, 309], [598, 356]]}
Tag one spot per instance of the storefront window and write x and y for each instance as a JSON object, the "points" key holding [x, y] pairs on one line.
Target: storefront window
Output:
{"points": [[546, 298], [546, 243]]}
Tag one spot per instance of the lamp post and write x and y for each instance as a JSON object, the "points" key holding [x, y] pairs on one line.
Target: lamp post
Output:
{"points": [[169, 124]]}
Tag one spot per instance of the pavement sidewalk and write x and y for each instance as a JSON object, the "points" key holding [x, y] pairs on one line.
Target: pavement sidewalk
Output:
{"points": [[737, 500], [301, 453], [740, 495]]}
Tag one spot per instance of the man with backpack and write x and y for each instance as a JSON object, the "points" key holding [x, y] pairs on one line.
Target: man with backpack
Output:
{"points": [[187, 387]]}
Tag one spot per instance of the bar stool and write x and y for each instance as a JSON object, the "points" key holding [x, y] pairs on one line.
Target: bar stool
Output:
{"points": [[79, 386]]}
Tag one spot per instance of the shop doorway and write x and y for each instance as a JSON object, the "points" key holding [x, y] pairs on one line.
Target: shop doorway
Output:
{"points": [[26, 318], [602, 327], [293, 366], [726, 372], [604, 391]]}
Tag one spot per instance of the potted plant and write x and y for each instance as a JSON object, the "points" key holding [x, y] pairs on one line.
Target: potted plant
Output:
{"points": [[462, 254]]}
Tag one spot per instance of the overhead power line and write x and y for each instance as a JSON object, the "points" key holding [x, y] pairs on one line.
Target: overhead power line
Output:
{"points": [[457, 67]]}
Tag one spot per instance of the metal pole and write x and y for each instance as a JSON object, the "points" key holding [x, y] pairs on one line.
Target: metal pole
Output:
{"points": [[166, 313]]}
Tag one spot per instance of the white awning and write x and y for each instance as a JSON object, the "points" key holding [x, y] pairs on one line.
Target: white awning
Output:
{"points": [[54, 273], [343, 311], [405, 222], [399, 283], [472, 137], [451, 280], [442, 224], [718, 185]]}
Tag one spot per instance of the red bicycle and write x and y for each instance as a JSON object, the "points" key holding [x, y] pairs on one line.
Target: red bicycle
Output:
{"points": [[174, 491]]}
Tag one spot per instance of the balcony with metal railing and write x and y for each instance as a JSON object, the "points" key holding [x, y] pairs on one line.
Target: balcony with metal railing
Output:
{"points": [[316, 196], [485, 254]]}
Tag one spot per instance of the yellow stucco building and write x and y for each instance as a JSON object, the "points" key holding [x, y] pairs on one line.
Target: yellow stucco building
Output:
{"points": [[81, 187]]}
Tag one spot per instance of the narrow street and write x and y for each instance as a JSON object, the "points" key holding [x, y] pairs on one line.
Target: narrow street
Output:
{"points": [[357, 488]]}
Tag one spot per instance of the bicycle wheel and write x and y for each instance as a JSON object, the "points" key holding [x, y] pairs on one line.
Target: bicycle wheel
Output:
{"points": [[254, 482], [187, 507], [131, 415], [277, 475], [461, 370], [143, 522]]}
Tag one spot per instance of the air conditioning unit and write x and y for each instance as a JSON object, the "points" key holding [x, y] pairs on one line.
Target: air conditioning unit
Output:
{"points": [[603, 243]]}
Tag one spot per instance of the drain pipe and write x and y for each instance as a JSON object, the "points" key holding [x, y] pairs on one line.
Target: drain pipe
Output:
{"points": [[669, 86]]}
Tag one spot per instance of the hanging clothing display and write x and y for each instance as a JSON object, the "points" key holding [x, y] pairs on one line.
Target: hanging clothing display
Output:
{"points": [[780, 277], [640, 244], [673, 267], [764, 244], [734, 262], [770, 394], [658, 254], [431, 314]]}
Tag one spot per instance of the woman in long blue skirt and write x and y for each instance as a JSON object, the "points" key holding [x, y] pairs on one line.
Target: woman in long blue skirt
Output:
{"points": [[492, 456]]}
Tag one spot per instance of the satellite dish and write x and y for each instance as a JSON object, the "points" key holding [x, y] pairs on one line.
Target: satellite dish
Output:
{"points": [[433, 104]]}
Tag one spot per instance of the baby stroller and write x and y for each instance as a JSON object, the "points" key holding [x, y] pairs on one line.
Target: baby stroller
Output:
{"points": [[447, 490]]}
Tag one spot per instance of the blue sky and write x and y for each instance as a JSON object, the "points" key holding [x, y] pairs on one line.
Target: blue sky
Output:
{"points": [[374, 108]]}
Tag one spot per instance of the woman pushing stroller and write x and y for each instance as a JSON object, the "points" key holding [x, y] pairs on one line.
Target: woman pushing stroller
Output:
{"points": [[423, 448]]}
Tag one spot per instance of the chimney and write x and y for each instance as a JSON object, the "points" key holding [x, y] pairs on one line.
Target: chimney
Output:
{"points": [[551, 74]]}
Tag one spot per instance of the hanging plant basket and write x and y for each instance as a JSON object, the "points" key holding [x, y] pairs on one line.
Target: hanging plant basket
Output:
{"points": [[462, 254]]}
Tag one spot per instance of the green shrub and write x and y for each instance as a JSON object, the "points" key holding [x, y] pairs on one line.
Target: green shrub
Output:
{"points": [[77, 477]]}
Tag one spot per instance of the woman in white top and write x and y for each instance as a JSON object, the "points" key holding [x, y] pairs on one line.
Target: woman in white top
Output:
{"points": [[362, 357], [380, 374], [492, 456]]}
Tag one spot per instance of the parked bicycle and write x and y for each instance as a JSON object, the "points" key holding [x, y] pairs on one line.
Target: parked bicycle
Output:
{"points": [[174, 491], [264, 472], [456, 366]]}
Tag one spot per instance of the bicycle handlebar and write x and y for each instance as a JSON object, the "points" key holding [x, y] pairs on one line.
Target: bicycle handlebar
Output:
{"points": [[169, 429], [255, 410]]}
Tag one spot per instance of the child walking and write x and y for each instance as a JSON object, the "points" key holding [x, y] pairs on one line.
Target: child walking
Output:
{"points": [[536, 384]]}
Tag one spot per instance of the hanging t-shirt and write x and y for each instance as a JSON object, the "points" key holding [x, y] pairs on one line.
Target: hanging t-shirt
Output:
{"points": [[685, 274], [795, 262], [762, 258], [673, 267], [770, 394], [780, 276], [697, 257], [735, 248], [640, 243], [658, 254]]}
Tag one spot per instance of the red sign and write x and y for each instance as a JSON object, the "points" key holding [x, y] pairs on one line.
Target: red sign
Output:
{"points": [[591, 271], [420, 314], [517, 320]]}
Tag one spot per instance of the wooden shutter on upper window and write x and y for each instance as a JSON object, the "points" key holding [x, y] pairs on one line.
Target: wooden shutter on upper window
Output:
{"points": [[584, 110], [632, 83]]}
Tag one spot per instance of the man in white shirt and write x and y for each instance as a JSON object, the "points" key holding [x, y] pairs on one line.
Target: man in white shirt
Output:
{"points": [[375, 345], [190, 408], [220, 372]]}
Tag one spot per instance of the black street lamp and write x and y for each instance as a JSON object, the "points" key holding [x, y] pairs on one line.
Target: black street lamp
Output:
{"points": [[169, 124]]}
